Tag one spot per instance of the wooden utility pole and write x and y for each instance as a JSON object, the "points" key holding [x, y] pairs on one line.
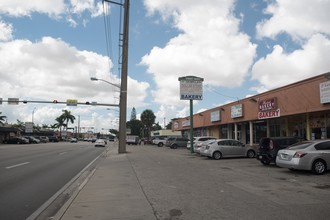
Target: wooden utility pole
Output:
{"points": [[123, 87]]}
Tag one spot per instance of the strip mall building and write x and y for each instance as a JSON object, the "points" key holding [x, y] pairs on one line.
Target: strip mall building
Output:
{"points": [[300, 109]]}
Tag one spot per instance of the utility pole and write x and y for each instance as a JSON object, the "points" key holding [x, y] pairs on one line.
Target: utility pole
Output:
{"points": [[123, 86]]}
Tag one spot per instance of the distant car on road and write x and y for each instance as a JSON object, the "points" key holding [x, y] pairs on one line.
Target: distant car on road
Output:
{"points": [[53, 139], [227, 148], [74, 140], [17, 140], [44, 139], [307, 155], [32, 140], [100, 143]]}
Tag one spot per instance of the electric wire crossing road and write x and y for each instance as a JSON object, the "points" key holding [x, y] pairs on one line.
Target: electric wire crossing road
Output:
{"points": [[68, 102]]}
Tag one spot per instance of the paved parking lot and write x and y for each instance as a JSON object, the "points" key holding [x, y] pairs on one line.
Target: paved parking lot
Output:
{"points": [[181, 185]]}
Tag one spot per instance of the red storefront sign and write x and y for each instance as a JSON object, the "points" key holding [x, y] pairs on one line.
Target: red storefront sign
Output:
{"points": [[269, 114], [268, 104]]}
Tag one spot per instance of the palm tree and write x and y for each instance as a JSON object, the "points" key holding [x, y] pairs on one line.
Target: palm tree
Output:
{"points": [[148, 119], [2, 119], [67, 117], [59, 124]]}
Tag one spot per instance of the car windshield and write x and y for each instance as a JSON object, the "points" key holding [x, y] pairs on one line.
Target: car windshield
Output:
{"points": [[300, 146]]}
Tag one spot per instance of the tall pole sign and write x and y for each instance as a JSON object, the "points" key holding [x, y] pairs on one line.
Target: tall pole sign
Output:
{"points": [[191, 88]]}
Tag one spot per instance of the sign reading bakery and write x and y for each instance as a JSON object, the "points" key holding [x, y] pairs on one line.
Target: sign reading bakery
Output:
{"points": [[268, 109]]}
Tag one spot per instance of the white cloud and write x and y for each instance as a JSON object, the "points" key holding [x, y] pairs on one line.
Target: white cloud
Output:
{"points": [[298, 18], [6, 31], [25, 8], [210, 47], [51, 69], [280, 68], [53, 8]]}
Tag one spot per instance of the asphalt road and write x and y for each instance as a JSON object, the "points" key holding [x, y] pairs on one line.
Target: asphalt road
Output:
{"points": [[31, 174], [181, 185]]}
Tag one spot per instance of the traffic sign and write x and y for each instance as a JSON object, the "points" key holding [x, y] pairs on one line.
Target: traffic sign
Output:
{"points": [[71, 102], [13, 101]]}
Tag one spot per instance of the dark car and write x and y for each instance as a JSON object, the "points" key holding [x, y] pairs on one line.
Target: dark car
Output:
{"points": [[53, 139], [269, 146], [178, 142], [16, 140]]}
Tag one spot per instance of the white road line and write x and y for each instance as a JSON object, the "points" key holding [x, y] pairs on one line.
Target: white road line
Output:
{"points": [[17, 165], [63, 153]]}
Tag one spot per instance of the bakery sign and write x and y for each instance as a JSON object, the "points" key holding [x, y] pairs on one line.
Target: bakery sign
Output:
{"points": [[268, 109]]}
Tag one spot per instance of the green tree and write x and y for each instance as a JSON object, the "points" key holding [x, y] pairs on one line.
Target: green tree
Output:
{"points": [[68, 117], [19, 124], [136, 126], [60, 122], [133, 114], [169, 125], [156, 127], [2, 119], [148, 119], [115, 132]]}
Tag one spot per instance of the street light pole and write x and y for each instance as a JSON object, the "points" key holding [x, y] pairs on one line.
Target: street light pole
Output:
{"points": [[33, 114]]}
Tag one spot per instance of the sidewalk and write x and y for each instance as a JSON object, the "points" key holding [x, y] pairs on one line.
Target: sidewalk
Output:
{"points": [[112, 192]]}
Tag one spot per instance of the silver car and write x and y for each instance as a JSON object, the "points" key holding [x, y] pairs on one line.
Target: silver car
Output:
{"points": [[227, 148], [202, 145], [308, 155]]}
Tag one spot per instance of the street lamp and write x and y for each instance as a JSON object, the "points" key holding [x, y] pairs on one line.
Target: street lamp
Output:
{"points": [[122, 113], [96, 79], [33, 114]]}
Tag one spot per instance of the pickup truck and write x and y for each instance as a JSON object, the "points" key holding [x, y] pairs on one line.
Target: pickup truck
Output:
{"points": [[133, 139]]}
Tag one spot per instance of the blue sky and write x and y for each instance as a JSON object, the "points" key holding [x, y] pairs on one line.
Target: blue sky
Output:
{"points": [[50, 49]]}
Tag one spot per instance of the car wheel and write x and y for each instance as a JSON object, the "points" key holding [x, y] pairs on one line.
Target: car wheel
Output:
{"points": [[217, 155], [174, 146], [160, 144], [251, 154], [265, 161], [319, 167]]}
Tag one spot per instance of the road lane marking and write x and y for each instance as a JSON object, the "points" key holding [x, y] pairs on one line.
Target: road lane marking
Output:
{"points": [[63, 153], [17, 165]]}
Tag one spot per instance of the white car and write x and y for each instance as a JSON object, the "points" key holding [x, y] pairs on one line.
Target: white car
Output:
{"points": [[100, 143], [199, 140], [227, 148], [307, 155]]}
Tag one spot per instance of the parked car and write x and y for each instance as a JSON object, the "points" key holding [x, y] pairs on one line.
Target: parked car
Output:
{"points": [[307, 155], [44, 139], [199, 140], [202, 145], [17, 140], [99, 143], [74, 140], [159, 141], [269, 146], [53, 139], [227, 148], [32, 140], [177, 142]]}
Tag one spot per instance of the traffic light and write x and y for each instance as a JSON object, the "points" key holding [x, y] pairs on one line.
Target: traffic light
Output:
{"points": [[55, 101]]}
